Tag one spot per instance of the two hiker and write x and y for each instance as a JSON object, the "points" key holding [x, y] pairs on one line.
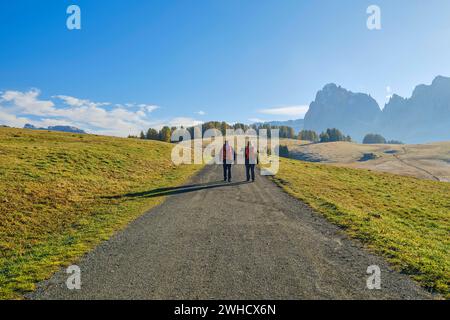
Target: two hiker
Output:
{"points": [[229, 157]]}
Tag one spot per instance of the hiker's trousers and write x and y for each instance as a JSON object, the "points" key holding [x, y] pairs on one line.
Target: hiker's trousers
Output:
{"points": [[250, 171], [226, 171]]}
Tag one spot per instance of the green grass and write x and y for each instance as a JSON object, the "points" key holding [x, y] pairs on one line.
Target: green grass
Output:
{"points": [[56, 200], [404, 219]]}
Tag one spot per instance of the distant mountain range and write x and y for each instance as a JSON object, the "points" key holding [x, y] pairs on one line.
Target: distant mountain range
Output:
{"points": [[425, 117], [56, 128]]}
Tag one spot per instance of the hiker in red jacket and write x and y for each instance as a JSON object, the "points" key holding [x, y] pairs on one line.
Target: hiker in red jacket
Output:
{"points": [[228, 157], [251, 159]]}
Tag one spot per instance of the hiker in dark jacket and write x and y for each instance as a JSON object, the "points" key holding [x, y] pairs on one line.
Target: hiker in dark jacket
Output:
{"points": [[251, 159], [228, 157]]}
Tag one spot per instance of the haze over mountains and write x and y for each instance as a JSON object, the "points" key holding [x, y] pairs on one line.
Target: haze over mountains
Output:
{"points": [[424, 117]]}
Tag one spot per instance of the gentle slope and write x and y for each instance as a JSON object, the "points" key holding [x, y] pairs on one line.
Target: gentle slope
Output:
{"points": [[55, 200]]}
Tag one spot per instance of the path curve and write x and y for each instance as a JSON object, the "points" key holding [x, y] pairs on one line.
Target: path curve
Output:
{"points": [[396, 156]]}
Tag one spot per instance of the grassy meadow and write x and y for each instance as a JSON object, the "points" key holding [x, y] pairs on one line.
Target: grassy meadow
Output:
{"points": [[404, 219], [57, 197]]}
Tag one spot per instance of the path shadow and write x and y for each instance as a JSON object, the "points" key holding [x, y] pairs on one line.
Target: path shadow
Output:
{"points": [[178, 190]]}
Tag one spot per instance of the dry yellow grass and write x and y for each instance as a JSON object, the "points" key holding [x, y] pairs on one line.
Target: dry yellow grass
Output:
{"points": [[407, 220]]}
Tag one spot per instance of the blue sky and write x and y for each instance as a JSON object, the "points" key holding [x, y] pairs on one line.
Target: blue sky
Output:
{"points": [[146, 63]]}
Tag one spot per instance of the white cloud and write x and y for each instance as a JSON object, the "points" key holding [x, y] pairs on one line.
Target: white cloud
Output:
{"points": [[201, 113], [27, 102], [12, 120], [18, 108], [389, 92], [256, 120], [293, 111], [178, 122], [148, 108], [75, 102]]}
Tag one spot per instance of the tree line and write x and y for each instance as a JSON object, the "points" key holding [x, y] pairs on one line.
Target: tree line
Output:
{"points": [[330, 135], [373, 138], [166, 132]]}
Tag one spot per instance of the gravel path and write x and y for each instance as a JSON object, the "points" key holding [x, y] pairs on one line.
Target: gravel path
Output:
{"points": [[214, 240]]}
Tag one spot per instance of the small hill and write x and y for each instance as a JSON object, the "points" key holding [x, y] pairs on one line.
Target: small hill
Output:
{"points": [[60, 195], [425, 161]]}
